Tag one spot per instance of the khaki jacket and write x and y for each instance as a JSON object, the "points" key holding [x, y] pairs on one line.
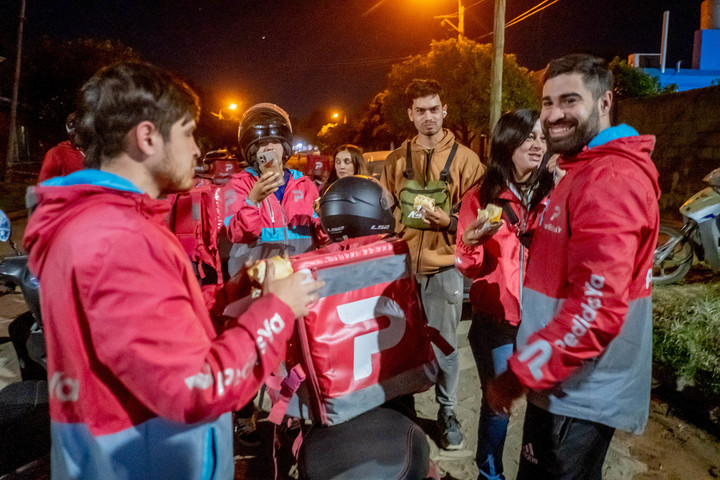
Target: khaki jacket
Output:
{"points": [[431, 250]]}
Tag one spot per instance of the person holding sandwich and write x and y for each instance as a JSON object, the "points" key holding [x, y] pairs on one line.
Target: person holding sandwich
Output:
{"points": [[493, 252], [434, 157]]}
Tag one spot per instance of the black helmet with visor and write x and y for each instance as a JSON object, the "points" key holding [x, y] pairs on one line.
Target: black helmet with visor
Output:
{"points": [[264, 121]]}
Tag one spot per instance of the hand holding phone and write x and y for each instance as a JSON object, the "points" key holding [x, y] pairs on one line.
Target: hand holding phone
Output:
{"points": [[268, 161]]}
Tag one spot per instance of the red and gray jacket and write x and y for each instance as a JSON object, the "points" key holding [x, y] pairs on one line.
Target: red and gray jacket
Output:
{"points": [[271, 227], [497, 266], [140, 384], [585, 341]]}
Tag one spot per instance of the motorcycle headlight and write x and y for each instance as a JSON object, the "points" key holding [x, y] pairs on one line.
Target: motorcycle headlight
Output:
{"points": [[713, 178]]}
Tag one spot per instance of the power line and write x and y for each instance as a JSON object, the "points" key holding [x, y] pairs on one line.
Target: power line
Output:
{"points": [[377, 62], [537, 8], [475, 4], [523, 16]]}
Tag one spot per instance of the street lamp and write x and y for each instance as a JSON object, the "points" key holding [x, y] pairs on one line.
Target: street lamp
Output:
{"points": [[460, 15], [230, 112], [336, 117]]}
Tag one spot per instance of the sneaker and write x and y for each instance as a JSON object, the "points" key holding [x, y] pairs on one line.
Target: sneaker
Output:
{"points": [[245, 431], [451, 436]]}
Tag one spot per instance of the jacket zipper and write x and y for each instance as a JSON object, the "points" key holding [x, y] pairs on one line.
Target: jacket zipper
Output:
{"points": [[426, 176], [522, 225], [524, 212], [270, 210], [268, 202]]}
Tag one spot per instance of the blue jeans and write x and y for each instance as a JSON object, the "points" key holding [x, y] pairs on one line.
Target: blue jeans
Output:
{"points": [[492, 343]]}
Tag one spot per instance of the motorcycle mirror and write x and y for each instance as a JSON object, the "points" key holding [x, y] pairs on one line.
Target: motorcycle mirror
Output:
{"points": [[713, 178], [4, 227]]}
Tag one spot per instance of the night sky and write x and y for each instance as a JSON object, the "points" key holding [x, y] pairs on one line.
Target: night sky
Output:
{"points": [[335, 54]]}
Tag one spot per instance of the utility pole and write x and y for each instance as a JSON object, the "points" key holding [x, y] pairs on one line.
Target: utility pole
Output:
{"points": [[497, 64], [12, 137], [460, 15]]}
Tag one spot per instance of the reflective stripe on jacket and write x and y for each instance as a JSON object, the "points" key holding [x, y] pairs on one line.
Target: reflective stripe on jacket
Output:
{"points": [[585, 342], [139, 381]]}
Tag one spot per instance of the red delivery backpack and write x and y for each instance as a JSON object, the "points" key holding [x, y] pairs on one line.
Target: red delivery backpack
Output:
{"points": [[364, 342], [196, 217]]}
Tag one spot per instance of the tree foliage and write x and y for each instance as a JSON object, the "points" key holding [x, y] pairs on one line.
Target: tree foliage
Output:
{"points": [[463, 69], [373, 132], [332, 135], [631, 82], [54, 71]]}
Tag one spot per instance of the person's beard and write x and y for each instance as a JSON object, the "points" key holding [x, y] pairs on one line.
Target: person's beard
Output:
{"points": [[584, 132], [169, 177]]}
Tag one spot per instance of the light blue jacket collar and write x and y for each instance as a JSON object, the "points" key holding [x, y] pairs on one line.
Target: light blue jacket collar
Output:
{"points": [[93, 177], [612, 133]]}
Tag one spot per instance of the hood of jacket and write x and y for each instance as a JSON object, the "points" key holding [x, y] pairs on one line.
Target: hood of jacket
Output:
{"points": [[445, 143], [624, 146], [60, 199]]}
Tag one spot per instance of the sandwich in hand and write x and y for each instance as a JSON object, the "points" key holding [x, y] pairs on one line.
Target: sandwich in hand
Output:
{"points": [[423, 201], [492, 212], [283, 268]]}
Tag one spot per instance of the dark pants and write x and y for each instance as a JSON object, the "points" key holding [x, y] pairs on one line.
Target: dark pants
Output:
{"points": [[492, 343], [555, 447], [442, 294]]}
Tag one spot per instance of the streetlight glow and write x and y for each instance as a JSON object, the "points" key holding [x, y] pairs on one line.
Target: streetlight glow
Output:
{"points": [[227, 113]]}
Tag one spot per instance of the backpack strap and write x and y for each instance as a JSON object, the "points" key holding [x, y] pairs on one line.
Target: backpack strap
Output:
{"points": [[524, 237], [445, 172], [508, 211], [286, 388], [409, 173]]}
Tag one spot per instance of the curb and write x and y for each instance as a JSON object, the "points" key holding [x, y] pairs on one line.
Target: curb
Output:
{"points": [[16, 215]]}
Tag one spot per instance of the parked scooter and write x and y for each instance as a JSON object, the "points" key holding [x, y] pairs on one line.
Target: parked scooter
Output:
{"points": [[700, 234], [24, 408]]}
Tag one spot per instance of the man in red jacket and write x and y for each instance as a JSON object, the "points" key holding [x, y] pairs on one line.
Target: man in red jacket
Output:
{"points": [[140, 383], [585, 341], [65, 157]]}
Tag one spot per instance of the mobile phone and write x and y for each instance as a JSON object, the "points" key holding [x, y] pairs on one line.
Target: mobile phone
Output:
{"points": [[268, 162], [265, 158]]}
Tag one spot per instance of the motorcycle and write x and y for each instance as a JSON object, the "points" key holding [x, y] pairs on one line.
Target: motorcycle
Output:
{"points": [[24, 408], [699, 236]]}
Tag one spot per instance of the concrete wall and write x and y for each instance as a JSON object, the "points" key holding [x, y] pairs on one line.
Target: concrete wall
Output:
{"points": [[687, 129]]}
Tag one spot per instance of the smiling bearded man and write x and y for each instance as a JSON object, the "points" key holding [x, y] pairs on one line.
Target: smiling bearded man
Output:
{"points": [[585, 341]]}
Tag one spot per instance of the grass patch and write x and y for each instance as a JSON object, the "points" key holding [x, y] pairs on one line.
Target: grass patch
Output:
{"points": [[686, 335]]}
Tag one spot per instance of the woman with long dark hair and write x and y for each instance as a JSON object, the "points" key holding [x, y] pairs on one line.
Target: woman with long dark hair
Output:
{"points": [[348, 160], [494, 255]]}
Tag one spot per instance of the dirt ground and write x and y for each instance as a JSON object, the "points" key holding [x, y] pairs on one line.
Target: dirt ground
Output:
{"points": [[670, 448]]}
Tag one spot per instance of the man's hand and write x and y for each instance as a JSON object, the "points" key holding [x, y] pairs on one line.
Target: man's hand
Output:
{"points": [[268, 183], [503, 391], [552, 166], [298, 290], [435, 217], [480, 230]]}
